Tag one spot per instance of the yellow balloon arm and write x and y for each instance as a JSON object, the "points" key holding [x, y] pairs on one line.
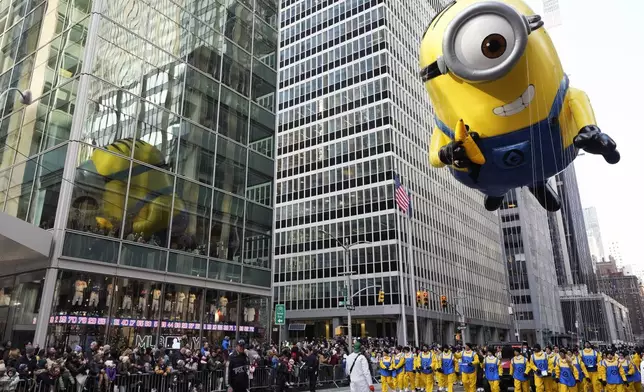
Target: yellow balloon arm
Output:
{"points": [[471, 149]]}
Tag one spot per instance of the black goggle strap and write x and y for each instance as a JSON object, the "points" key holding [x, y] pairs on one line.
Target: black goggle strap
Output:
{"points": [[430, 72]]}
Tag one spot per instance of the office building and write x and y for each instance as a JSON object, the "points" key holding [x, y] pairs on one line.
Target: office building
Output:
{"points": [[531, 268], [583, 314], [615, 251], [605, 320], [593, 232], [625, 289], [137, 187], [577, 267], [352, 112]]}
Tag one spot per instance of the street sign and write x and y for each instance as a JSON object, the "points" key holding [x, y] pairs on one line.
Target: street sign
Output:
{"points": [[340, 303], [351, 307], [280, 314]]}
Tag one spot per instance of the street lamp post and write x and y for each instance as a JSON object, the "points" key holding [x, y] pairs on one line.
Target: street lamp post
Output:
{"points": [[347, 274]]}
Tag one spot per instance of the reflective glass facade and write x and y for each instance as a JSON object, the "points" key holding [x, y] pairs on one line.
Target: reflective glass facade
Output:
{"points": [[351, 112], [149, 144]]}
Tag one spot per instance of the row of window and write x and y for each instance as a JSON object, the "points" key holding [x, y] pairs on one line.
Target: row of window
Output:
{"points": [[362, 146], [358, 255], [308, 27], [305, 212], [364, 69], [325, 295], [358, 48], [337, 175], [352, 123], [303, 9], [371, 91], [329, 38]]}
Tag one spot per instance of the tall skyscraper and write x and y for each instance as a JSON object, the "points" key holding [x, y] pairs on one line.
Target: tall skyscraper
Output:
{"points": [[531, 268], [594, 234], [588, 313], [148, 154], [615, 251], [352, 112], [580, 264]]}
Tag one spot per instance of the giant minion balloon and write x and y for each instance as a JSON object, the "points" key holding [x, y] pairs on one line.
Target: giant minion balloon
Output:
{"points": [[505, 115]]}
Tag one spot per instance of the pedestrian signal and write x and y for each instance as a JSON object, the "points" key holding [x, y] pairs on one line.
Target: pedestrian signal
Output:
{"points": [[444, 301], [381, 297]]}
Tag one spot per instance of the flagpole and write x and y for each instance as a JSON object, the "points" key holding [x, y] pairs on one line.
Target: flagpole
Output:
{"points": [[403, 314], [412, 270], [401, 286]]}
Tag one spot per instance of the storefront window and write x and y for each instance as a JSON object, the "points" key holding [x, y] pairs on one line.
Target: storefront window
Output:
{"points": [[80, 309], [254, 317], [135, 313], [180, 323], [220, 318]]}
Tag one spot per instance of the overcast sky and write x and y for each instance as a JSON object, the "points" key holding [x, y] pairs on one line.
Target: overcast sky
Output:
{"points": [[601, 46]]}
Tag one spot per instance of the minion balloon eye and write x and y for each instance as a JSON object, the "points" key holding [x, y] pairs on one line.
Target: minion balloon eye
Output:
{"points": [[483, 42]]}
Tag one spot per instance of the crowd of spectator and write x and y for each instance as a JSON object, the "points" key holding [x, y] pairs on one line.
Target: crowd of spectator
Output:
{"points": [[102, 368]]}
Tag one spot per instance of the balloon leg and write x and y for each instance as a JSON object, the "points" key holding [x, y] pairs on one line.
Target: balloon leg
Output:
{"points": [[493, 203]]}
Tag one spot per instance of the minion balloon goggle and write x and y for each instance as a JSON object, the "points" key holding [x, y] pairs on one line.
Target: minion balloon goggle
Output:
{"points": [[483, 42]]}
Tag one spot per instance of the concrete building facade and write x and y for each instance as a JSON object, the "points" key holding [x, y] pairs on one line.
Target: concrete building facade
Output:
{"points": [[625, 289], [605, 321], [352, 112], [531, 268]]}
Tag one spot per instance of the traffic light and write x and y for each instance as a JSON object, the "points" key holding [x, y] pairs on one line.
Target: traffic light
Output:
{"points": [[444, 301], [426, 298], [419, 298], [381, 297]]}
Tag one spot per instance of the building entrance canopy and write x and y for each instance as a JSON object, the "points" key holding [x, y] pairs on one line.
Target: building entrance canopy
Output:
{"points": [[23, 246]]}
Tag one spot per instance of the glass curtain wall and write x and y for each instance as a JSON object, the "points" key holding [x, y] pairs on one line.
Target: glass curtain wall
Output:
{"points": [[175, 168]]}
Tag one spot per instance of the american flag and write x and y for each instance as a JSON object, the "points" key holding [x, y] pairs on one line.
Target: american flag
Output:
{"points": [[402, 197]]}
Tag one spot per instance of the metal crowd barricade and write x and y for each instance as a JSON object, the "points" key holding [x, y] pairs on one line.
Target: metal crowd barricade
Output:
{"points": [[262, 379]]}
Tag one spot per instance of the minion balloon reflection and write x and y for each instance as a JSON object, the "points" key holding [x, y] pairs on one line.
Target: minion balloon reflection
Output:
{"points": [[505, 115]]}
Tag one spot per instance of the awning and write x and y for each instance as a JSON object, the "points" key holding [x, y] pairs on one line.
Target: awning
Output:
{"points": [[23, 246]]}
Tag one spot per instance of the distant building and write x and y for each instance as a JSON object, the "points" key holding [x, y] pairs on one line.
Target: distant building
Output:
{"points": [[608, 267], [531, 268], [594, 234], [606, 320], [583, 316], [626, 290], [580, 264], [615, 251]]}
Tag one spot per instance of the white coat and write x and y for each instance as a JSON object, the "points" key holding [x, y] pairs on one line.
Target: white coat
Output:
{"points": [[360, 376]]}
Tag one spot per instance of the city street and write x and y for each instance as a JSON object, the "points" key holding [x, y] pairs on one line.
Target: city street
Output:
{"points": [[378, 387]]}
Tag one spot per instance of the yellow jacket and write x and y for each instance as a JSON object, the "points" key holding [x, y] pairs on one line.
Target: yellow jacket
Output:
{"points": [[582, 365], [400, 363], [475, 357], [636, 360], [389, 359], [542, 355], [487, 360], [615, 362], [563, 364], [527, 368]]}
